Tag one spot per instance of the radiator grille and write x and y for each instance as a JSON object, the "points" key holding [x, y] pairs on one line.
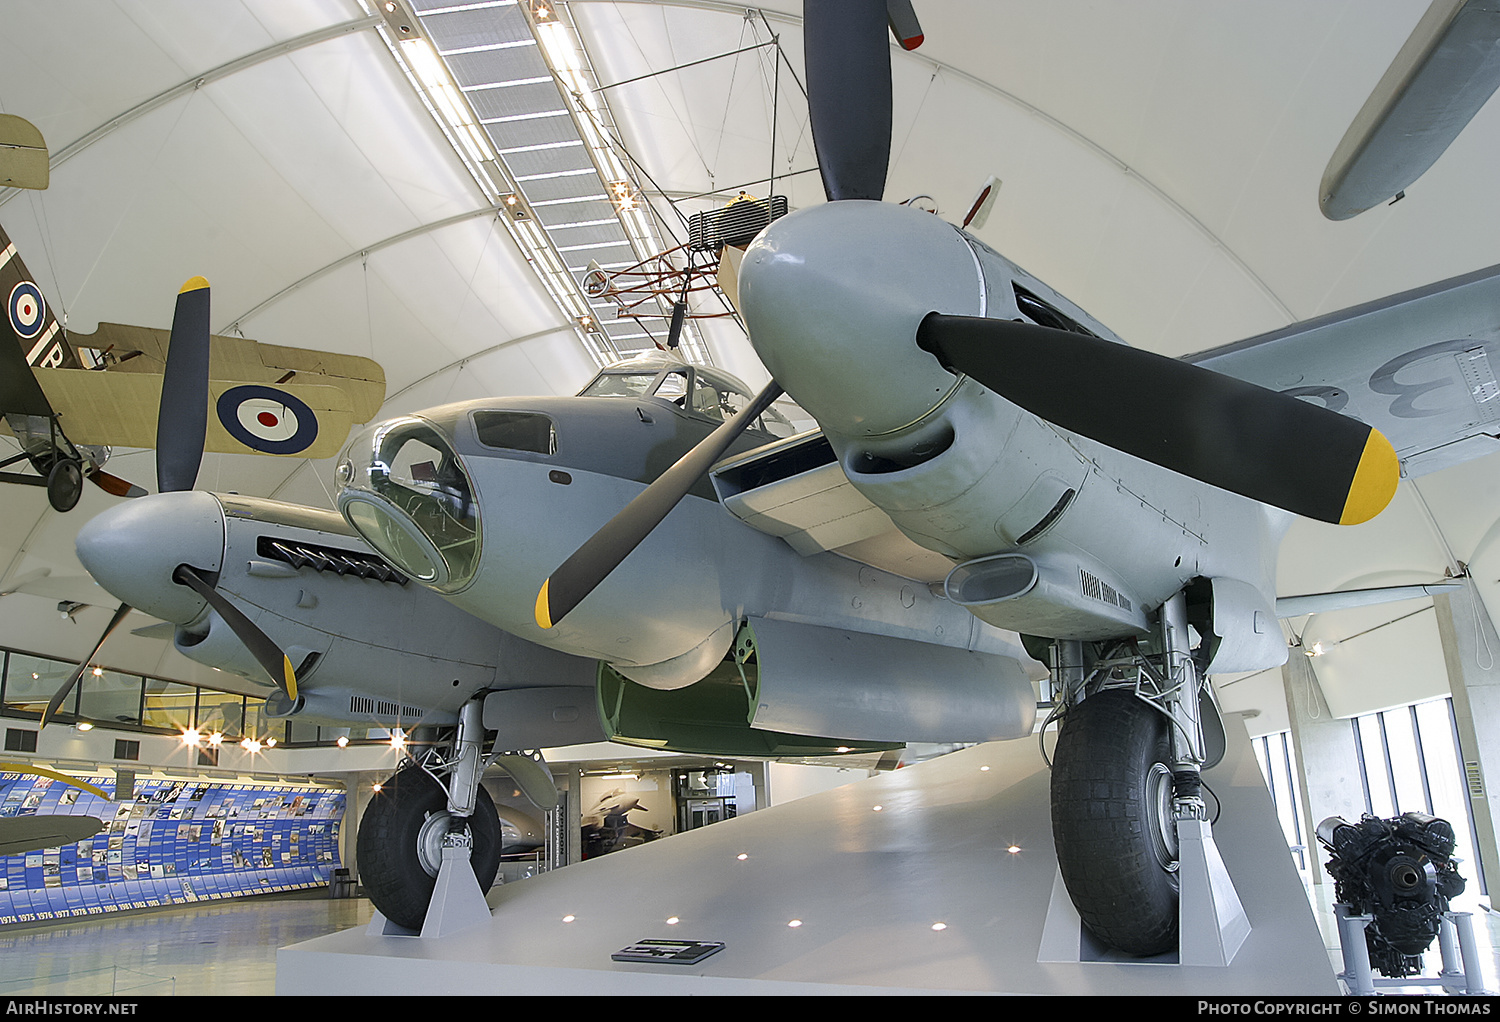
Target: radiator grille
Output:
{"points": [[735, 224], [1097, 589], [382, 708]]}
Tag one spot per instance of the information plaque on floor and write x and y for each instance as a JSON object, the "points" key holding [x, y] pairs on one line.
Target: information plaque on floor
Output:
{"points": [[672, 952]]}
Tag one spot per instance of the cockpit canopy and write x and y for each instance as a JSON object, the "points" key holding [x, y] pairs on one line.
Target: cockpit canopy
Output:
{"points": [[703, 390], [407, 493]]}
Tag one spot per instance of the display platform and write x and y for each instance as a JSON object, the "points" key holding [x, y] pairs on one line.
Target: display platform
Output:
{"points": [[901, 883]]}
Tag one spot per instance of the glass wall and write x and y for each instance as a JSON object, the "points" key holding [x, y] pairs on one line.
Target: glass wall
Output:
{"points": [[1274, 754], [1410, 762]]}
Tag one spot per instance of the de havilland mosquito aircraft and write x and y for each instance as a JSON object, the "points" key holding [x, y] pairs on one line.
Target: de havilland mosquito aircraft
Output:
{"points": [[990, 460]]}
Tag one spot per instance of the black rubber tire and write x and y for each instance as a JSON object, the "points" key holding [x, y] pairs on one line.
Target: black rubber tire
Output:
{"points": [[1106, 808], [389, 867], [64, 484]]}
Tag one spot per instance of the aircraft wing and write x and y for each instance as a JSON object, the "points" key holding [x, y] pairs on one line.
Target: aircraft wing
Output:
{"points": [[34, 833], [119, 409], [1418, 366], [143, 350], [794, 488]]}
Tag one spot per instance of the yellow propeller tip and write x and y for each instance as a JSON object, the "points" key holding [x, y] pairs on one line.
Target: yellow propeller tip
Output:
{"points": [[1374, 482], [194, 284], [290, 677], [543, 611]]}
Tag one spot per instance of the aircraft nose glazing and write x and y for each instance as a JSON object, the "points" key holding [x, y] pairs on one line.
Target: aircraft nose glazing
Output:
{"points": [[133, 548], [833, 295], [406, 491]]}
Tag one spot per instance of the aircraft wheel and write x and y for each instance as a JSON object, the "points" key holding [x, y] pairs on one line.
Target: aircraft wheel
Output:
{"points": [[64, 484], [1112, 821], [401, 841]]}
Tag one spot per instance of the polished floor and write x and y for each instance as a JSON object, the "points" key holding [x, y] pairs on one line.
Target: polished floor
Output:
{"points": [[213, 949], [229, 948]]}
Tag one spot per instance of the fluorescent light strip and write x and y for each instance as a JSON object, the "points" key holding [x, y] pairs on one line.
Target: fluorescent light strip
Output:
{"points": [[622, 243], [482, 6], [578, 198], [541, 146], [506, 85], [523, 117], [488, 47], [558, 173], [584, 223]]}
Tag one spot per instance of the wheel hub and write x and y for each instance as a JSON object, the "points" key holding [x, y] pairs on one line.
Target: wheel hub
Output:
{"points": [[430, 841], [1160, 822]]}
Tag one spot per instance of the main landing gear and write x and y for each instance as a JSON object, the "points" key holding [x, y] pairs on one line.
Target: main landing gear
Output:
{"points": [[1128, 816], [434, 809]]}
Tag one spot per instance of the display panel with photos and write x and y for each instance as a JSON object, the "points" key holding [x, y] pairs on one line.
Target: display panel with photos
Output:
{"points": [[174, 842]]}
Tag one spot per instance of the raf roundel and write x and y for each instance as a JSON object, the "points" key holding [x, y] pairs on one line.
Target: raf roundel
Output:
{"points": [[267, 420], [28, 312]]}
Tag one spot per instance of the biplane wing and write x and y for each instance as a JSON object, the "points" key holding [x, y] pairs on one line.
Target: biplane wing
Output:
{"points": [[103, 389]]}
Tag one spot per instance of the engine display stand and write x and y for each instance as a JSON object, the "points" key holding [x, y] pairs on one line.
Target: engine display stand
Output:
{"points": [[900, 883], [1455, 942]]}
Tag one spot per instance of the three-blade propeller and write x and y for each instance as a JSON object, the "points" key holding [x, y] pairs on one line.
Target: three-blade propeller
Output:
{"points": [[1213, 428], [181, 424]]}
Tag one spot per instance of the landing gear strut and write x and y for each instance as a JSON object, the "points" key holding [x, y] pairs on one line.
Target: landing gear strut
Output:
{"points": [[1127, 805], [430, 807]]}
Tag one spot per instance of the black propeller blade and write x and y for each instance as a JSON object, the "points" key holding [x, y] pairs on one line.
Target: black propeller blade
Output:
{"points": [[260, 645], [849, 94], [591, 563], [182, 417], [67, 686], [1272, 448]]}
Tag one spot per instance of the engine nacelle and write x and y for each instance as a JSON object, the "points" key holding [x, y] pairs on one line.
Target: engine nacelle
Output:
{"points": [[789, 688]]}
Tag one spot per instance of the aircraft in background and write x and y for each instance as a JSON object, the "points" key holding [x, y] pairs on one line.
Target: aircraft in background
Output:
{"points": [[68, 398], [990, 460], [33, 833]]}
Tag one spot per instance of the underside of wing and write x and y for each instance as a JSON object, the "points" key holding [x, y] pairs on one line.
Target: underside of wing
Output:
{"points": [[1418, 366]]}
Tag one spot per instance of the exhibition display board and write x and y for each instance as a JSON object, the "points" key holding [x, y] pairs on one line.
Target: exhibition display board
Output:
{"points": [[175, 841]]}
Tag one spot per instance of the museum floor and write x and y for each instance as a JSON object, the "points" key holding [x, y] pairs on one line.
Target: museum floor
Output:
{"points": [[229, 948]]}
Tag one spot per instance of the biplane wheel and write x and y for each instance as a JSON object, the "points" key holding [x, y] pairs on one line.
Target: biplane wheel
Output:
{"points": [[401, 842], [1112, 821], [64, 484]]}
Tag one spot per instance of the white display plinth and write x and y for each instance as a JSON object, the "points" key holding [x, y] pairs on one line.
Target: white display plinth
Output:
{"points": [[918, 896]]}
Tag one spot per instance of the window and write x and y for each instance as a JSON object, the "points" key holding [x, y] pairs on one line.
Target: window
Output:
{"points": [[516, 431], [1409, 762], [19, 740]]}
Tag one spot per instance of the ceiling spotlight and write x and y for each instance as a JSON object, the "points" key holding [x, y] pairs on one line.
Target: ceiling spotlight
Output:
{"points": [[342, 741], [541, 10], [250, 745], [98, 672], [375, 788], [398, 738], [270, 743], [84, 725], [216, 739], [190, 736]]}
